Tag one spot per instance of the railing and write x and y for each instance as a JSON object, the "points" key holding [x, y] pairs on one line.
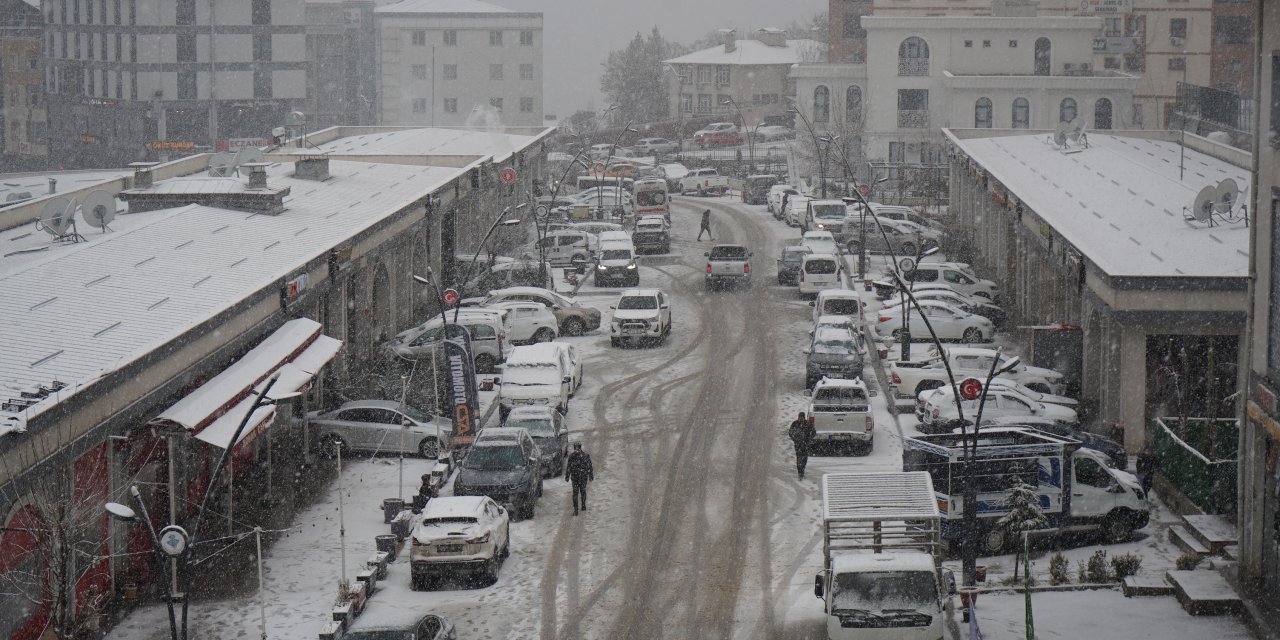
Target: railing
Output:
{"points": [[913, 119], [913, 66], [1199, 459]]}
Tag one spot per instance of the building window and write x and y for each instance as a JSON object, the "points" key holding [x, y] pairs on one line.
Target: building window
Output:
{"points": [[184, 13], [1067, 110], [852, 103], [1102, 114], [1178, 28], [685, 73], [1021, 113], [897, 156], [1013, 44], [495, 38], [968, 44], [186, 85], [450, 72], [186, 47], [419, 37], [420, 72], [704, 74], [686, 103], [1112, 27], [1229, 30], [450, 105], [496, 103], [119, 47], [1135, 26], [704, 103], [982, 113], [1275, 110], [913, 57], [852, 27], [1177, 64], [1135, 62], [1043, 57], [526, 38], [260, 13], [450, 38], [1273, 331], [526, 105], [986, 44], [262, 47], [722, 75], [913, 108], [821, 104], [419, 105], [1111, 62], [526, 72], [262, 84], [495, 72]]}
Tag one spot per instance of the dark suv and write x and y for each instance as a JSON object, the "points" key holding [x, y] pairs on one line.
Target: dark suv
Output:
{"points": [[505, 465]]}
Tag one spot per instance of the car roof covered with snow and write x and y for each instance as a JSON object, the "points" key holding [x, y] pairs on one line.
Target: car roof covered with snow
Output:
{"points": [[900, 560], [454, 507]]}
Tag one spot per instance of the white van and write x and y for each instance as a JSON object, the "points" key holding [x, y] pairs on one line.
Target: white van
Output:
{"points": [[818, 271], [536, 375], [837, 302]]}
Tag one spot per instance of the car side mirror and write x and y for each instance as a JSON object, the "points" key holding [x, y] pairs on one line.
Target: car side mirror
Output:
{"points": [[567, 379], [813, 303], [707, 254], [665, 306], [818, 584], [613, 307]]}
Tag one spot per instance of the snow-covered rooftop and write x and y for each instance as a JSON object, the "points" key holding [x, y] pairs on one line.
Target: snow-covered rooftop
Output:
{"points": [[1121, 202], [442, 6], [37, 183], [752, 52], [80, 311], [435, 141]]}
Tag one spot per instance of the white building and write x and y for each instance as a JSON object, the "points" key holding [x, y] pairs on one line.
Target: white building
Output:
{"points": [[926, 73], [456, 62]]}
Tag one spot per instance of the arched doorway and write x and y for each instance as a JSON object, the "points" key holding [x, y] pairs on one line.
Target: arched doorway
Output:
{"points": [[821, 104], [1102, 114], [1067, 110], [982, 113], [1044, 57], [853, 104]]}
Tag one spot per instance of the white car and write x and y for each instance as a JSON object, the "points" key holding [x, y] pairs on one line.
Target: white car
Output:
{"points": [[842, 302], [1012, 386], [566, 247], [776, 192], [574, 318], [796, 210], [529, 321], [957, 279], [820, 242], [379, 426], [640, 315], [975, 361], [456, 535], [940, 408], [818, 271], [840, 412], [845, 323], [772, 132], [948, 322], [657, 145]]}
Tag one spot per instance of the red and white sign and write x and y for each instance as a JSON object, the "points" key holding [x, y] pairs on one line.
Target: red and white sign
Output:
{"points": [[235, 144], [865, 190], [450, 297], [970, 388], [599, 168], [508, 176]]}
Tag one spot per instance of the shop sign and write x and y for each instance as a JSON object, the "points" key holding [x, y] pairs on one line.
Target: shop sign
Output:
{"points": [[171, 145]]}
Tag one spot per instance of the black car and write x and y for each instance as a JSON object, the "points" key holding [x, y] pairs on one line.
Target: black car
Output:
{"points": [[504, 464], [789, 263], [386, 623], [1088, 439]]}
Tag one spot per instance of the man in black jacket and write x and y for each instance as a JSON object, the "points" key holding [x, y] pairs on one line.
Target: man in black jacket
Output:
{"points": [[705, 227], [802, 434], [578, 471]]}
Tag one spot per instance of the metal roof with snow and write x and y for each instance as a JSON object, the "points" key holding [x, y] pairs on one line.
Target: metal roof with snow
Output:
{"points": [[1121, 202], [878, 496], [433, 141], [444, 6], [752, 52]]}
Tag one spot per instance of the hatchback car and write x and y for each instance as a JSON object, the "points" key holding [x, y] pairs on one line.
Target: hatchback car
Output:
{"points": [[832, 353], [547, 428], [379, 426], [458, 535], [789, 263], [505, 465]]}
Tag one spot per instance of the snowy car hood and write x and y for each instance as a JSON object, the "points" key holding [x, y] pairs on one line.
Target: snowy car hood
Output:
{"points": [[428, 533], [1047, 374], [545, 390], [635, 314]]}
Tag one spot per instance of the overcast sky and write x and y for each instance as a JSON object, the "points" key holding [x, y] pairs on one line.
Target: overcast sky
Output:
{"points": [[579, 34]]}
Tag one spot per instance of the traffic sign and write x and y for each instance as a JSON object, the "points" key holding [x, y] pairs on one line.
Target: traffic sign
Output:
{"points": [[508, 176], [598, 168], [450, 296], [865, 190], [970, 388]]}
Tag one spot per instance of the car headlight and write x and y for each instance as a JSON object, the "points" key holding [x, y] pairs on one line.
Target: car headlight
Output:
{"points": [[631, 266], [601, 267]]}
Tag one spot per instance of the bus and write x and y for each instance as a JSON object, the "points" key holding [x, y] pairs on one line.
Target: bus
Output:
{"points": [[651, 197]]}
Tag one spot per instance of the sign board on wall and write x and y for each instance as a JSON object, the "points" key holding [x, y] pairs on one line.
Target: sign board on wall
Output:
{"points": [[1105, 7]]}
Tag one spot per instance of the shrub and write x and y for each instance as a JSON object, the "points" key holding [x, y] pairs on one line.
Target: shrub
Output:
{"points": [[1095, 570], [1186, 562], [1059, 569], [1126, 564]]}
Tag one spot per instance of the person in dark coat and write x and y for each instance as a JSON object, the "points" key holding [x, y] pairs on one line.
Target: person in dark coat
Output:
{"points": [[1147, 463], [578, 471], [706, 224], [802, 434]]}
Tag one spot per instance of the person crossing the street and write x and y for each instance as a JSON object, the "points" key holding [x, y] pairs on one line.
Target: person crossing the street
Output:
{"points": [[706, 225]]}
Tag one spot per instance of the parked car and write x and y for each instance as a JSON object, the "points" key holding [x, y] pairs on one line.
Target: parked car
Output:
{"points": [[840, 412], [957, 278], [383, 623], [505, 465], [528, 321], [789, 263], [574, 318], [908, 378], [819, 271], [832, 353], [703, 181], [717, 134], [1106, 446], [774, 199], [826, 215], [821, 242], [939, 408], [755, 189], [488, 330], [534, 376], [548, 431], [895, 212], [840, 302], [602, 151], [844, 323], [728, 264], [379, 426], [657, 145], [885, 237], [652, 233], [797, 208], [565, 247], [977, 306], [767, 133], [640, 314], [948, 322], [673, 173], [568, 356], [517, 273], [1011, 386], [457, 535]]}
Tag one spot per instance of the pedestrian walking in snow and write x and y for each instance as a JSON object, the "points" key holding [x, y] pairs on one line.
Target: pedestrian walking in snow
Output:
{"points": [[706, 224], [802, 434], [578, 471], [1147, 463]]}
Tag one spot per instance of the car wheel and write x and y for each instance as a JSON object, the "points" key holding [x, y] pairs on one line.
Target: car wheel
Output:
{"points": [[574, 327], [544, 335], [486, 363], [331, 445], [506, 549], [429, 448], [1116, 529], [615, 342], [972, 334], [491, 570], [994, 540], [539, 488], [527, 512]]}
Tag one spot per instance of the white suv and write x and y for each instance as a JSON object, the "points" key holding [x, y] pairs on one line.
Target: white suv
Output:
{"points": [[529, 321], [640, 315], [840, 411], [457, 534]]}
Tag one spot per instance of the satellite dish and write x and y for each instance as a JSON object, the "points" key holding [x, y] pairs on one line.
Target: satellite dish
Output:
{"points": [[221, 164], [98, 209], [1060, 134], [56, 216], [1074, 129], [1227, 194], [1205, 201], [247, 155]]}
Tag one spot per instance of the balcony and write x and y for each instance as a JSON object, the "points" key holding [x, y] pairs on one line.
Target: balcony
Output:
{"points": [[913, 66], [913, 119]]}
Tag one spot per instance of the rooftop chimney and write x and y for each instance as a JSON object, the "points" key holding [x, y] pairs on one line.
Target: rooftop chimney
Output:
{"points": [[311, 167], [772, 37], [730, 40], [257, 174], [53, 185], [142, 178]]}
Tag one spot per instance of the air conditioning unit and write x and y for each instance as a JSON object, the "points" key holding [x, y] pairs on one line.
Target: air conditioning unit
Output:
{"points": [[1085, 67], [913, 147], [1176, 41], [1069, 68]]}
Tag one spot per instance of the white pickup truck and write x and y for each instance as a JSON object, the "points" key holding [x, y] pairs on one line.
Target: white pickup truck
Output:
{"points": [[728, 264], [840, 412], [703, 181], [908, 379]]}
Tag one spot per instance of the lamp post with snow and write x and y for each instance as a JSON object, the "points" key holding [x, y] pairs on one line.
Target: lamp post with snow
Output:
{"points": [[751, 153]]}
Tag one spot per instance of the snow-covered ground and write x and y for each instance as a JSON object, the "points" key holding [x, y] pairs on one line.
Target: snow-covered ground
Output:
{"points": [[543, 589]]}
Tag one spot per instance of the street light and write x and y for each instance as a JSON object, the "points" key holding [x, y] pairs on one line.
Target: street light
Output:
{"points": [[750, 143], [905, 335], [126, 514]]}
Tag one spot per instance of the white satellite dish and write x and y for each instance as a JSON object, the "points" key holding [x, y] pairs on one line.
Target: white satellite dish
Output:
{"points": [[98, 209], [1227, 194], [57, 218], [221, 164], [1074, 129], [247, 155], [1060, 134], [1202, 207]]}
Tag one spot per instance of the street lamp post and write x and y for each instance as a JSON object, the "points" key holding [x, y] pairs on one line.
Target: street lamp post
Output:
{"points": [[969, 557], [795, 108], [905, 335], [126, 514], [626, 128], [542, 227], [751, 153]]}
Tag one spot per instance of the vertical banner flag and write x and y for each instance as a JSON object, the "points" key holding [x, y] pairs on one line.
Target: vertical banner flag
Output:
{"points": [[463, 399]]}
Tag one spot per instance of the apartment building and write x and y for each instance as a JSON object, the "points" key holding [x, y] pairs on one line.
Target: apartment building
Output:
{"points": [[23, 116], [458, 62]]}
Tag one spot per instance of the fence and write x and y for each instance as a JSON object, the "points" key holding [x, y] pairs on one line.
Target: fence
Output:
{"points": [[736, 161], [1198, 458]]}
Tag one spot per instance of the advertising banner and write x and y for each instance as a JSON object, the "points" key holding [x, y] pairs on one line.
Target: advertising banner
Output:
{"points": [[463, 400]]}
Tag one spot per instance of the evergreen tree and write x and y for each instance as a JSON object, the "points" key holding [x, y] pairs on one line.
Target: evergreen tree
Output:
{"points": [[635, 81], [1024, 513]]}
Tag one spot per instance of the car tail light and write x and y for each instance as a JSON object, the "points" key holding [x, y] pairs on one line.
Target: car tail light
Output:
{"points": [[480, 540], [885, 318], [708, 267], [936, 414], [871, 423], [811, 421], [896, 379], [746, 268]]}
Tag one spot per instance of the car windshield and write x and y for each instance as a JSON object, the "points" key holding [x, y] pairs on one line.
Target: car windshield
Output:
{"points": [[840, 307], [884, 590], [820, 266], [829, 212], [536, 426], [638, 302], [795, 254], [728, 253], [494, 458], [836, 398], [835, 346], [615, 254], [529, 376]]}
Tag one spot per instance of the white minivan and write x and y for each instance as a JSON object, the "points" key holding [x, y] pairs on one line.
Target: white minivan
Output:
{"points": [[535, 375], [818, 271]]}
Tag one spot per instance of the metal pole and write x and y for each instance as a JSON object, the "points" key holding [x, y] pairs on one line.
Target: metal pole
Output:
{"points": [[969, 560], [172, 446], [404, 388], [342, 522], [262, 594], [155, 543], [213, 77]]}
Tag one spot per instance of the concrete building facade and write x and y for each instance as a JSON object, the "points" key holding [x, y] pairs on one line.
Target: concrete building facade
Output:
{"points": [[458, 62], [24, 122]]}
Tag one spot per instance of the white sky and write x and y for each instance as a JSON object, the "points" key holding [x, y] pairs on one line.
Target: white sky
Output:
{"points": [[578, 34]]}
